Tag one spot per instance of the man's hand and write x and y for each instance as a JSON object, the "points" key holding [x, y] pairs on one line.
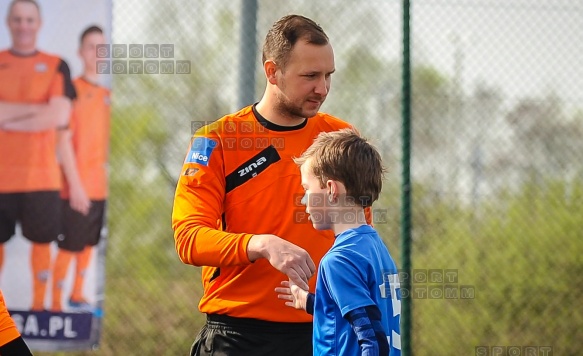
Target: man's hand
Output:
{"points": [[296, 297], [293, 261]]}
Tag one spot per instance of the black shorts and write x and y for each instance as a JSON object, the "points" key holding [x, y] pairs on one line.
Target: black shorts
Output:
{"points": [[225, 335], [80, 230], [39, 214]]}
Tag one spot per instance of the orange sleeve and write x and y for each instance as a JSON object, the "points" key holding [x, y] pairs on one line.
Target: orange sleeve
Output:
{"points": [[8, 330], [198, 209]]}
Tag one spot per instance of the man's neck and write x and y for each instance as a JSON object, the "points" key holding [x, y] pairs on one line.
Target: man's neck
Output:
{"points": [[91, 77], [272, 115], [23, 50]]}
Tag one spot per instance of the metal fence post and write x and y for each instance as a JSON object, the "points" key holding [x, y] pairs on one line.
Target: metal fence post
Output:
{"points": [[406, 186]]}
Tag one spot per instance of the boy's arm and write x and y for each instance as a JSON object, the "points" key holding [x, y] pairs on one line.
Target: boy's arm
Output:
{"points": [[78, 199], [345, 277], [366, 323]]}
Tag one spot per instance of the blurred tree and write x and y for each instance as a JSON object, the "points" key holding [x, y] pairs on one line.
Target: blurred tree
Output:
{"points": [[523, 263], [546, 141]]}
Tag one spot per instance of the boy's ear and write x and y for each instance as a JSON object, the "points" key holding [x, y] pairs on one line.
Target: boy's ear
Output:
{"points": [[332, 188]]}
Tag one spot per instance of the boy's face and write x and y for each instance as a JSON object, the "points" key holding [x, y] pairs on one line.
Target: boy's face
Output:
{"points": [[315, 198]]}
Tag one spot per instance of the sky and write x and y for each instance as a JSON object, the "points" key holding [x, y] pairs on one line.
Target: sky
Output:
{"points": [[523, 47]]}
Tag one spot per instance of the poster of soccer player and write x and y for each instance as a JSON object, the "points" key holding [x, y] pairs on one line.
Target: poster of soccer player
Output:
{"points": [[54, 139]]}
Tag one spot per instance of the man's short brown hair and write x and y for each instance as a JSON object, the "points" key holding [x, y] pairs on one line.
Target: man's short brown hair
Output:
{"points": [[89, 30], [286, 32], [349, 158]]}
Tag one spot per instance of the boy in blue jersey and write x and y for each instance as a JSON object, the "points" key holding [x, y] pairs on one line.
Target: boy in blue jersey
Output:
{"points": [[357, 303]]}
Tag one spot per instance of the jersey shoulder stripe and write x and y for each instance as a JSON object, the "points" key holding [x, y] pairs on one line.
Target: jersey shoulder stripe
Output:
{"points": [[251, 168]]}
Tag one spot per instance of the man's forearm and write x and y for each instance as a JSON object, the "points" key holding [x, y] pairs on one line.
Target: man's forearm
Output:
{"points": [[12, 112], [37, 117]]}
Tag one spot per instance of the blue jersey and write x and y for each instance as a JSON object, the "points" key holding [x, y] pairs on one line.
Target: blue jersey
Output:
{"points": [[357, 272]]}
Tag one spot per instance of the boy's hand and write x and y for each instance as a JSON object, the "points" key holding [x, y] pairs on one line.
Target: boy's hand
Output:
{"points": [[296, 297], [78, 199]]}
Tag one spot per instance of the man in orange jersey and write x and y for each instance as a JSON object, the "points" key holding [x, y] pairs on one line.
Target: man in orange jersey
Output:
{"points": [[234, 211], [11, 343], [83, 149], [35, 98]]}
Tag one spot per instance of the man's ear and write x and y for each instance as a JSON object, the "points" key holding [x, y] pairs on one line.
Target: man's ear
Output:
{"points": [[270, 69]]}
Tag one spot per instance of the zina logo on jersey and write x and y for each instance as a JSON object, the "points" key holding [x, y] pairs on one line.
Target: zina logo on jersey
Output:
{"points": [[252, 166]]}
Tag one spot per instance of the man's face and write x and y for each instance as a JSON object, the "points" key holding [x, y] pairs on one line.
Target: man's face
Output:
{"points": [[305, 81], [24, 23], [88, 50], [314, 198]]}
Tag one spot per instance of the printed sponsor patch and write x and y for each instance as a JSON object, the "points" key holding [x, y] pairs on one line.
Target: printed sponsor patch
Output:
{"points": [[252, 168], [40, 67], [190, 171], [200, 151]]}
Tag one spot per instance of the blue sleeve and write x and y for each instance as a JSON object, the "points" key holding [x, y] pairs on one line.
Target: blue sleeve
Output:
{"points": [[355, 273], [310, 303], [366, 323]]}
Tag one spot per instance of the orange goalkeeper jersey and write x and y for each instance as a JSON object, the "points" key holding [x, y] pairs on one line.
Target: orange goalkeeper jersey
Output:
{"points": [[8, 330], [239, 179], [28, 160], [90, 123]]}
